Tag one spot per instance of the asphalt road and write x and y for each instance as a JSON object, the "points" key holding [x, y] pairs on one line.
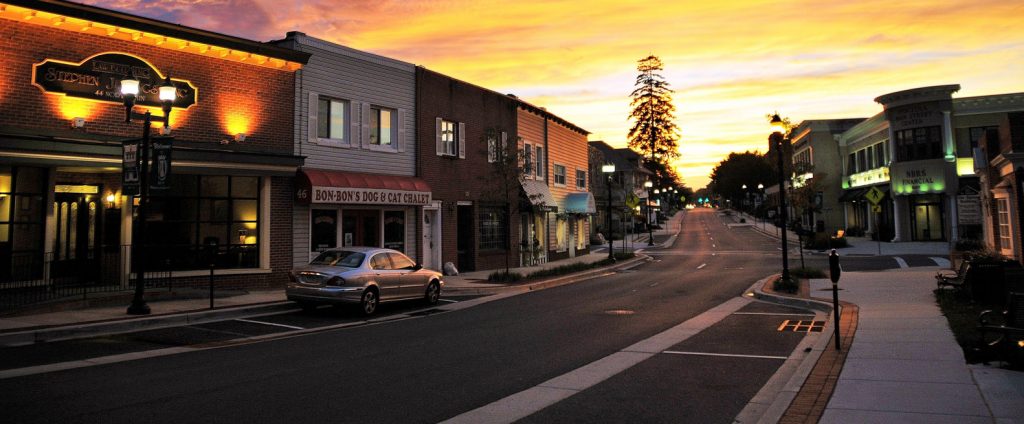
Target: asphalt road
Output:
{"points": [[432, 367]]}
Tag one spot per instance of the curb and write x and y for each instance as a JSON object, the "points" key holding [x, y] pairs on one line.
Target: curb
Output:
{"points": [[78, 331], [558, 281]]}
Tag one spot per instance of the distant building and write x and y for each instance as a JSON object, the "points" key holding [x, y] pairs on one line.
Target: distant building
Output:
{"points": [[627, 189], [817, 165]]}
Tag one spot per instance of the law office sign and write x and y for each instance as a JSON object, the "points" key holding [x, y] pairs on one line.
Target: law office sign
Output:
{"points": [[98, 77]]}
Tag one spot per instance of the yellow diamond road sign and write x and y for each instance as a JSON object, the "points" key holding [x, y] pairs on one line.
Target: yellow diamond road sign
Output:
{"points": [[874, 195], [876, 208]]}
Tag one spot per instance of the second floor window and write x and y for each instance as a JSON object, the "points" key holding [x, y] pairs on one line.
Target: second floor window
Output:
{"points": [[559, 174], [382, 127], [919, 143], [332, 119], [581, 179], [528, 160], [449, 138], [540, 163]]}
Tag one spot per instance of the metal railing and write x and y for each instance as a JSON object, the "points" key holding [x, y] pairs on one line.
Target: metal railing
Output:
{"points": [[28, 278]]}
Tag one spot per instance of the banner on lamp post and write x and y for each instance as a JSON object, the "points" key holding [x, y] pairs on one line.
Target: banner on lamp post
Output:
{"points": [[160, 172]]}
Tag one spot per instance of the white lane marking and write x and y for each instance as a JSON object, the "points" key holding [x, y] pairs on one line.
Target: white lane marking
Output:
{"points": [[270, 323], [702, 266], [773, 313], [902, 263], [941, 262], [728, 355], [527, 402], [713, 245]]}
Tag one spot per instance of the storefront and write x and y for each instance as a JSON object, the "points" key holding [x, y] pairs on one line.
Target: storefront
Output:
{"points": [[69, 161], [356, 209], [536, 211]]}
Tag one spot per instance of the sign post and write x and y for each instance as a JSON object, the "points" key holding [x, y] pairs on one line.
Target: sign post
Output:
{"points": [[874, 195], [834, 271]]}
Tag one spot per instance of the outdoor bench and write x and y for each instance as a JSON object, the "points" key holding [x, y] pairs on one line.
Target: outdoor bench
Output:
{"points": [[1002, 332]]}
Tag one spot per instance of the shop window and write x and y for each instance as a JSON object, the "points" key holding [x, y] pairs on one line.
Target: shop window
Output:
{"points": [[200, 210], [881, 155], [919, 143], [332, 120], [22, 218], [394, 230], [493, 227], [561, 234], [324, 229]]}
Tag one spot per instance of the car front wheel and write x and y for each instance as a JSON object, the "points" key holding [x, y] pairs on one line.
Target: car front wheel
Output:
{"points": [[369, 302], [433, 293]]}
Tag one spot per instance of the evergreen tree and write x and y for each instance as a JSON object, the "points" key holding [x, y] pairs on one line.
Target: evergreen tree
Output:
{"points": [[654, 133]]}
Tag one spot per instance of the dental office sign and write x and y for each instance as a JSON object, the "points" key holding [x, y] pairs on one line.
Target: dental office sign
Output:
{"points": [[99, 78]]}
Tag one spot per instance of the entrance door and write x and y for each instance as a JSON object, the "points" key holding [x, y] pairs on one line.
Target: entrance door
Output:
{"points": [[75, 248], [431, 244], [465, 238], [927, 219], [360, 228]]}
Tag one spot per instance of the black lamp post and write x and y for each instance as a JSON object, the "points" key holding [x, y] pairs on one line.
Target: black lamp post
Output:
{"points": [[760, 194], [778, 138], [130, 89], [609, 170], [650, 227]]}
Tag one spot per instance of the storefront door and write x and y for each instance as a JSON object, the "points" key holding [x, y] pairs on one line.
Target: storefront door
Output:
{"points": [[926, 219], [75, 249], [360, 228]]}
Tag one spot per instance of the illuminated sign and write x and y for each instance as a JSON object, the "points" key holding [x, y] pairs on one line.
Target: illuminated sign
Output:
{"points": [[362, 196], [99, 78], [871, 177], [919, 177]]}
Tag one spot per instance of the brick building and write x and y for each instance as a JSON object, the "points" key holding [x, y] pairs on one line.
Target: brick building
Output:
{"points": [[66, 217], [475, 197]]}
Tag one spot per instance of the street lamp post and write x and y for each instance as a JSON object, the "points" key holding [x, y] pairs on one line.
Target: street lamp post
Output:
{"points": [[609, 170], [760, 193], [167, 93], [650, 228], [778, 138]]}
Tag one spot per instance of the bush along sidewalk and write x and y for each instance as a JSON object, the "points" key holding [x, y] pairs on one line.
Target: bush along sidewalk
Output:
{"points": [[515, 277]]}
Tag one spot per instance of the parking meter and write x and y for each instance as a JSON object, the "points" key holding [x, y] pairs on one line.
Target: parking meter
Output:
{"points": [[834, 270]]}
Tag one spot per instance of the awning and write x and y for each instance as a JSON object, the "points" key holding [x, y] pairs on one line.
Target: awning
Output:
{"points": [[539, 195], [853, 195], [582, 203], [338, 187]]}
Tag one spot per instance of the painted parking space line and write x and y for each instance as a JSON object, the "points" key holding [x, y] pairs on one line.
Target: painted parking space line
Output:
{"points": [[447, 300], [902, 263], [702, 266], [726, 355], [774, 313], [941, 262], [271, 324]]}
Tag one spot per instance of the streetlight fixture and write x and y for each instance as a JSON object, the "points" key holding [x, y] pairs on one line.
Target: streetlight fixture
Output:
{"points": [[650, 228], [167, 94], [778, 138], [609, 170]]}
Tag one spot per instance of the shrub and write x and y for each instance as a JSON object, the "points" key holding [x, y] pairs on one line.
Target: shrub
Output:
{"points": [[855, 231], [504, 277], [807, 273], [786, 286], [966, 244]]}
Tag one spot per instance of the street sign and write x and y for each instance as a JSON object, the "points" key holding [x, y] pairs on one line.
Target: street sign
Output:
{"points": [[876, 208], [874, 195]]}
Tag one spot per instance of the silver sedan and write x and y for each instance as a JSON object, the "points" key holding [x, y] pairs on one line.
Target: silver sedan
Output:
{"points": [[362, 275]]}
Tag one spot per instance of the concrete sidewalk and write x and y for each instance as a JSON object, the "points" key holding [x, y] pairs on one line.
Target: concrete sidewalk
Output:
{"points": [[904, 364]]}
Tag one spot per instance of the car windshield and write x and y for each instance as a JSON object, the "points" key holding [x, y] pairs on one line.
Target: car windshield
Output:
{"points": [[343, 258]]}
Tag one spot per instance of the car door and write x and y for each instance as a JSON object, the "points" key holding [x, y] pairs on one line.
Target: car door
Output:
{"points": [[412, 284], [384, 275]]}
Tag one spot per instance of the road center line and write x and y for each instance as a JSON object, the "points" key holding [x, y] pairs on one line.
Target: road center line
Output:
{"points": [[702, 266], [270, 323], [728, 355]]}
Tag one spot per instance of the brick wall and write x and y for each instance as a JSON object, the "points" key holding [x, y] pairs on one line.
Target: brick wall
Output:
{"points": [[255, 99], [452, 179]]}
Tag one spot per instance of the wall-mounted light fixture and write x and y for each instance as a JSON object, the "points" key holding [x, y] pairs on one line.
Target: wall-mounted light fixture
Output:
{"points": [[78, 122], [111, 200], [240, 137]]}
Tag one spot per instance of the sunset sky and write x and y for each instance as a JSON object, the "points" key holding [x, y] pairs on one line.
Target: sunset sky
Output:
{"points": [[729, 62]]}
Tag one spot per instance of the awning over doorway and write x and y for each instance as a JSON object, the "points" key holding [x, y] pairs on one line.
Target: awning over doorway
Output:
{"points": [[539, 195], [582, 203], [853, 195], [339, 187]]}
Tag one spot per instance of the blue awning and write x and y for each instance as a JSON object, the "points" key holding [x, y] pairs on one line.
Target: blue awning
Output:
{"points": [[580, 203]]}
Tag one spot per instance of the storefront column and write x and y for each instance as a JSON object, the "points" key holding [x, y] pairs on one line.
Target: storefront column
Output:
{"points": [[953, 229], [947, 136], [870, 221], [899, 210]]}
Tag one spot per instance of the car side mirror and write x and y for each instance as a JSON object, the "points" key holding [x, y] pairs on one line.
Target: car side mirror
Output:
{"points": [[417, 267]]}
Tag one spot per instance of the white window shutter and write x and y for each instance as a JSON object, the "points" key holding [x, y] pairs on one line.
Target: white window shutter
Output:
{"points": [[462, 140], [366, 125], [401, 130], [313, 113], [437, 137], [353, 117]]}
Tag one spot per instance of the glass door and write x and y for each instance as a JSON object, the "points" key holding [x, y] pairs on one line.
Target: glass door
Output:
{"points": [[927, 219]]}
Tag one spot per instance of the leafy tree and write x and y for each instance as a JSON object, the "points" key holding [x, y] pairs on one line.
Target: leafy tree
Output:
{"points": [[654, 133], [504, 182], [738, 169]]}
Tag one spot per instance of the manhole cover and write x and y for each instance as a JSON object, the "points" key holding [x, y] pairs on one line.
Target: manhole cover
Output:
{"points": [[620, 312], [801, 326]]}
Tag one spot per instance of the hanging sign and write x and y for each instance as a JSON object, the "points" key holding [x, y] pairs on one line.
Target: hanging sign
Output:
{"points": [[130, 168], [99, 78], [968, 208], [160, 174]]}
